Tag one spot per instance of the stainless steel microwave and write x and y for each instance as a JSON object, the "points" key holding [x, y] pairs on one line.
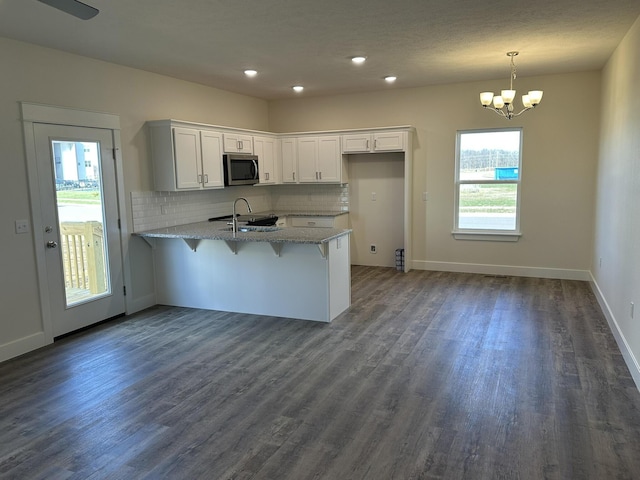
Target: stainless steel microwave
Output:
{"points": [[240, 169]]}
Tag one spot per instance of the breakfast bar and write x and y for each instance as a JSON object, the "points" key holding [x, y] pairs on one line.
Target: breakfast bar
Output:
{"points": [[301, 273]]}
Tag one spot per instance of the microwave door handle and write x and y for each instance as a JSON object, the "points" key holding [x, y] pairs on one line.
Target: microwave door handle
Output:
{"points": [[255, 169]]}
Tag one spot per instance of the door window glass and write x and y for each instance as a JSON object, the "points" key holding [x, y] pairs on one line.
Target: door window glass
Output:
{"points": [[80, 208]]}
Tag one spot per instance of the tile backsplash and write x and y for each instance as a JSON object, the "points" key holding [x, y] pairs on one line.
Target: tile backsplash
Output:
{"points": [[310, 198], [153, 209]]}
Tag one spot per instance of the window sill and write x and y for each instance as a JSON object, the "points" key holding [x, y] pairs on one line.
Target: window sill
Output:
{"points": [[487, 236]]}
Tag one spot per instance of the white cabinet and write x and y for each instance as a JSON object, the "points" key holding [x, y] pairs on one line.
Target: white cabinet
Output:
{"points": [[185, 158], [238, 143], [392, 141], [212, 168], [289, 155], [266, 148], [320, 160], [337, 221], [308, 159]]}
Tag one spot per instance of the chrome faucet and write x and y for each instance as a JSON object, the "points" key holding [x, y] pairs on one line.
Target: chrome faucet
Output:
{"points": [[234, 220]]}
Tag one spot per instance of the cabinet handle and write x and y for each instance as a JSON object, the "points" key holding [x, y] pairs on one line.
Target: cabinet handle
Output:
{"points": [[239, 144], [367, 144], [294, 176], [206, 178], [375, 144], [319, 175], [199, 178], [311, 224], [266, 175]]}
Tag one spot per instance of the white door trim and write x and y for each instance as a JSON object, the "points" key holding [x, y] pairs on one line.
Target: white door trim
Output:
{"points": [[36, 113]]}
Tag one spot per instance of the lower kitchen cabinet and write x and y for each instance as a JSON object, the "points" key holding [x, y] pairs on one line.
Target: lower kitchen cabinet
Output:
{"points": [[313, 221]]}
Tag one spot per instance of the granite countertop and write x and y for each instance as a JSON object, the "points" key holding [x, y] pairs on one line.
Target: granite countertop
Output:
{"points": [[219, 230]]}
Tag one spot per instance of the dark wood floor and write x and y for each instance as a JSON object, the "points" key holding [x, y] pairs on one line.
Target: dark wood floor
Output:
{"points": [[430, 375]]}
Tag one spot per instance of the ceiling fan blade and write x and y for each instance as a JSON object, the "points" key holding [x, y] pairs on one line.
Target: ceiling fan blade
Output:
{"points": [[73, 7]]}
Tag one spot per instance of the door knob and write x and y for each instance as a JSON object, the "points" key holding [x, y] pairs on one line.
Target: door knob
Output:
{"points": [[52, 244]]}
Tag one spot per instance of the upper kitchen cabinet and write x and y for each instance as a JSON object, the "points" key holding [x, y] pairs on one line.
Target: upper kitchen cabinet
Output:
{"points": [[266, 148], [289, 156], [185, 158], [320, 159], [392, 141], [238, 143]]}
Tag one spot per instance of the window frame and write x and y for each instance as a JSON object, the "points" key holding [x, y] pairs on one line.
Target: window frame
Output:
{"points": [[511, 235]]}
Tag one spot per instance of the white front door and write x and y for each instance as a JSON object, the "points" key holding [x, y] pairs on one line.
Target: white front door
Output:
{"points": [[78, 201]]}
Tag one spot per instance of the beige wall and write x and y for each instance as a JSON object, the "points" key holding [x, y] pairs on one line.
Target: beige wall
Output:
{"points": [[559, 166], [40, 75], [616, 258], [381, 221]]}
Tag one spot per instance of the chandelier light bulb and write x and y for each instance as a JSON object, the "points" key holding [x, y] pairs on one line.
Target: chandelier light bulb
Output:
{"points": [[535, 96], [486, 98], [358, 60], [389, 79], [250, 73], [508, 96], [298, 88]]}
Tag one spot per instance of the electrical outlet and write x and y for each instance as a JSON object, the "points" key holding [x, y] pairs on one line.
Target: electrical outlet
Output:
{"points": [[22, 226], [425, 196], [373, 249]]}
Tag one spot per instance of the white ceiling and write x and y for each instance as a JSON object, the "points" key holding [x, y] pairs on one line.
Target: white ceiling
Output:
{"points": [[310, 42]]}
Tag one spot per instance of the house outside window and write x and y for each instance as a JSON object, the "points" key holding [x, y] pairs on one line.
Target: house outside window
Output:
{"points": [[488, 177]]}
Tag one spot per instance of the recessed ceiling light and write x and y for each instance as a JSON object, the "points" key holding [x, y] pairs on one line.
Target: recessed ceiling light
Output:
{"points": [[358, 60], [250, 73], [298, 88], [389, 79]]}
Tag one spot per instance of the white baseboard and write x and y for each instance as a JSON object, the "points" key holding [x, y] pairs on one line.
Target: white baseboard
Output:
{"points": [[37, 340], [22, 346], [139, 304], [627, 354], [564, 274]]}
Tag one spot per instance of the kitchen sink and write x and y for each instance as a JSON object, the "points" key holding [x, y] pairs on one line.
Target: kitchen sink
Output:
{"points": [[252, 228]]}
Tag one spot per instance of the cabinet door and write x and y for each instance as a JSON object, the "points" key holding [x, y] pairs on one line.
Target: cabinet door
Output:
{"points": [[265, 149], [387, 142], [329, 163], [289, 149], [188, 163], [308, 159], [356, 143], [238, 143], [212, 173]]}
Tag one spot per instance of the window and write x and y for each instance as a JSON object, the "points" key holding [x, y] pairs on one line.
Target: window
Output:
{"points": [[488, 173]]}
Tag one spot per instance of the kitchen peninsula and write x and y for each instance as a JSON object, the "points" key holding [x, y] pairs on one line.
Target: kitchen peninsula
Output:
{"points": [[278, 271]]}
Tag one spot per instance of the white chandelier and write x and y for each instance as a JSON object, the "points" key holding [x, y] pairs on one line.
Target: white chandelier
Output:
{"points": [[503, 103]]}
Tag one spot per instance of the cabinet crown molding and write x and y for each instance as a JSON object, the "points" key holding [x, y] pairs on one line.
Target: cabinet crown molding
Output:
{"points": [[227, 129]]}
